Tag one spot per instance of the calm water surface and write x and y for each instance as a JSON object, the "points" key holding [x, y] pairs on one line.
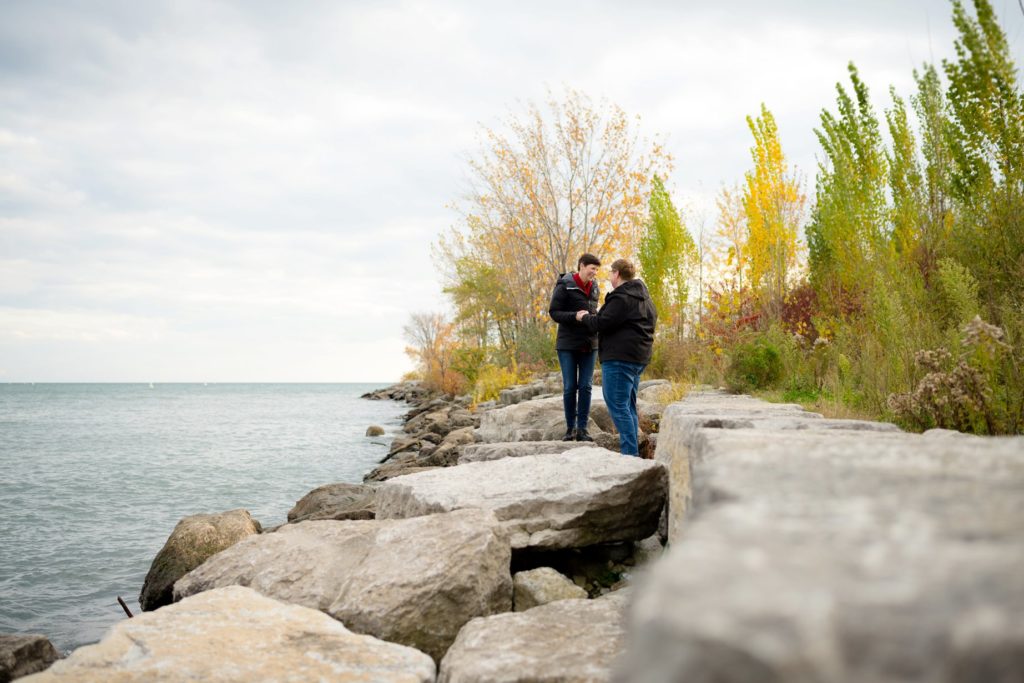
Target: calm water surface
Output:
{"points": [[93, 478]]}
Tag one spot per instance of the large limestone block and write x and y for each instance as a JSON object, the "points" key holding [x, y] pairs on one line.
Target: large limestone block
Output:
{"points": [[569, 640], [516, 449], [540, 586], [236, 635], [21, 655], [194, 539], [568, 500], [684, 422], [413, 581], [335, 501], [840, 556]]}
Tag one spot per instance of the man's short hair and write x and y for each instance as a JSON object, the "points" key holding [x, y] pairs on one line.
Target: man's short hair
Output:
{"points": [[587, 260], [624, 268]]}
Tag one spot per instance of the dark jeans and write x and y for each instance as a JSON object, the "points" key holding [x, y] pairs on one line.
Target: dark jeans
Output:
{"points": [[620, 381], [577, 378]]}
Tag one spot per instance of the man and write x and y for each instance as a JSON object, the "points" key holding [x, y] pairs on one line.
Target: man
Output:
{"points": [[576, 345], [625, 325]]}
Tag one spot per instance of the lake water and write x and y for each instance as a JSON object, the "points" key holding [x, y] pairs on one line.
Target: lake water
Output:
{"points": [[93, 478]]}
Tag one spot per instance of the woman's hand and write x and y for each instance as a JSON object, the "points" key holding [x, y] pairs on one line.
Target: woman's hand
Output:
{"points": [[580, 314]]}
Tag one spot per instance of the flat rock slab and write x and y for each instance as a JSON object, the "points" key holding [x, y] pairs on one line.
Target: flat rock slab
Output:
{"points": [[411, 581], [569, 500], [237, 635], [482, 452], [21, 655], [568, 640], [840, 556]]}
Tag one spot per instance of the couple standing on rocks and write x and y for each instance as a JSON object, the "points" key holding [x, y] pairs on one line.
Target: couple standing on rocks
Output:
{"points": [[622, 333]]}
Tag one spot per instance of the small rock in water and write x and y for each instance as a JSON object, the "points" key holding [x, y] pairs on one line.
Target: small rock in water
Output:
{"points": [[375, 430]]}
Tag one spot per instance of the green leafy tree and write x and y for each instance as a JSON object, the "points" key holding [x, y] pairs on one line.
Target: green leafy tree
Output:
{"points": [[936, 219], [906, 182], [666, 253], [847, 229], [987, 144]]}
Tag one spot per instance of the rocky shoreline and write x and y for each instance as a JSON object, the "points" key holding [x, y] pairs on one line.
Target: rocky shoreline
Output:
{"points": [[483, 549]]}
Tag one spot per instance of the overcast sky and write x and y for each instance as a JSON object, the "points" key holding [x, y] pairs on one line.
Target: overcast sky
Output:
{"points": [[248, 191]]}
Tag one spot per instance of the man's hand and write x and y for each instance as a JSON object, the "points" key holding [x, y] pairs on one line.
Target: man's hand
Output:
{"points": [[580, 314]]}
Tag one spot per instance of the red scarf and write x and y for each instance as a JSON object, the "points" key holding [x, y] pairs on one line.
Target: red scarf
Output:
{"points": [[585, 286]]}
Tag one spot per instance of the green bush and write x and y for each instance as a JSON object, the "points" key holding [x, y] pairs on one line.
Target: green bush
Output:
{"points": [[754, 365], [535, 347]]}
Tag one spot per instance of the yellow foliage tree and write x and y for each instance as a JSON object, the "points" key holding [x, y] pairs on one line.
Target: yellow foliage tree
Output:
{"points": [[773, 203]]}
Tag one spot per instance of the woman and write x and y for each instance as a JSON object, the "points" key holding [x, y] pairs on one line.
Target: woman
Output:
{"points": [[576, 344]]}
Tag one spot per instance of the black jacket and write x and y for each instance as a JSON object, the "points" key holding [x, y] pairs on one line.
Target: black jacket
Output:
{"points": [[626, 323], [566, 299]]}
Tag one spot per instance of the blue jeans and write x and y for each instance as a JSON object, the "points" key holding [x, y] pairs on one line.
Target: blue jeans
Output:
{"points": [[577, 378], [620, 380]]}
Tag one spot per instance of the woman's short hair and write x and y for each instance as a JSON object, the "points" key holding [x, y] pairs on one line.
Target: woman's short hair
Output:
{"points": [[624, 268]]}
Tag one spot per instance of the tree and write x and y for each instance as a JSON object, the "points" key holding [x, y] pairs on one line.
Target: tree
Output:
{"points": [[666, 252], [549, 186], [906, 183], [936, 220], [848, 230], [731, 235], [431, 346], [986, 138], [773, 203]]}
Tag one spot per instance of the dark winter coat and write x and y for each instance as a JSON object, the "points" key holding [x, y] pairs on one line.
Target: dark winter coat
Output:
{"points": [[566, 299], [625, 324]]}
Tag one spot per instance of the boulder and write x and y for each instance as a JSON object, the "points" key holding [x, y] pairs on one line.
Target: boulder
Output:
{"points": [[482, 452], [839, 555], [336, 501], [550, 384], [573, 499], [413, 581], [436, 422], [411, 391], [656, 391], [193, 541], [374, 430], [21, 655], [402, 444], [447, 453], [390, 470], [236, 635], [461, 417], [540, 586], [568, 640]]}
